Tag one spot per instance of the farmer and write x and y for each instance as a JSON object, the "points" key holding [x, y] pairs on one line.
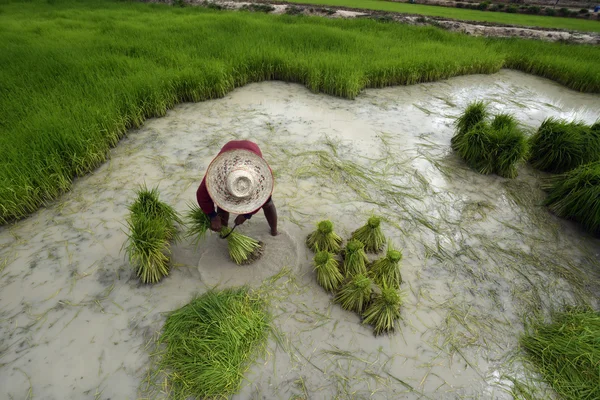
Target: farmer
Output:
{"points": [[238, 181]]}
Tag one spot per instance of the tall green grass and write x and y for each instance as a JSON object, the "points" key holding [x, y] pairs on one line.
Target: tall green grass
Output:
{"points": [[75, 76]]}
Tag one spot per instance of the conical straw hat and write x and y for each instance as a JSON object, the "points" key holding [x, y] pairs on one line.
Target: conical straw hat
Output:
{"points": [[239, 181]]}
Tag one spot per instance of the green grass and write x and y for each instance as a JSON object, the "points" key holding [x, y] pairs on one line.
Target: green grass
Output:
{"points": [[463, 14], [566, 352], [77, 75], [208, 344]]}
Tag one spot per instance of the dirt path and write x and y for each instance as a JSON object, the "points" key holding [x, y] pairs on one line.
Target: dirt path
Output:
{"points": [[469, 28]]}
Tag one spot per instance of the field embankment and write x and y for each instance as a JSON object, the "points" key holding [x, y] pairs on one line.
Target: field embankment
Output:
{"points": [[76, 76]]}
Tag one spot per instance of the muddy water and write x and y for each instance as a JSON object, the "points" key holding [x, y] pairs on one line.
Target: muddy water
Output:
{"points": [[480, 254]]}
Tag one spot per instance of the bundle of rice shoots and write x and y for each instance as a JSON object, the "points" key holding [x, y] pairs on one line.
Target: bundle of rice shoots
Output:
{"points": [[558, 146], [148, 248], [207, 346], [476, 148], [324, 238], [328, 273], [475, 113], [242, 249], [148, 204], [386, 270], [576, 195], [383, 311], [355, 259], [566, 352], [355, 294], [198, 223], [504, 121], [512, 149], [371, 235]]}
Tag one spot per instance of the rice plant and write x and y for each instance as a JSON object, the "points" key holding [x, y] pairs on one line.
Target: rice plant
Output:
{"points": [[327, 268], [198, 223], [324, 238], [242, 249], [476, 147], [386, 270], [383, 311], [475, 113], [371, 235], [512, 149], [207, 345], [566, 352], [355, 294], [148, 204], [355, 259], [558, 146], [576, 195]]}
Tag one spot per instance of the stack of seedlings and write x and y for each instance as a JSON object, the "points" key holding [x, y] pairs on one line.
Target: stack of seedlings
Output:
{"points": [[206, 346], [152, 227], [566, 352], [498, 146], [242, 249], [370, 292], [559, 146]]}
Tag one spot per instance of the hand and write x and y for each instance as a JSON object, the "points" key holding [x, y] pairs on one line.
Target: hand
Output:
{"points": [[215, 224], [240, 219]]}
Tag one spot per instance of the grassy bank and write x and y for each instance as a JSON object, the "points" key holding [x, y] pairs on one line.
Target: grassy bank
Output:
{"points": [[463, 14], [76, 75]]}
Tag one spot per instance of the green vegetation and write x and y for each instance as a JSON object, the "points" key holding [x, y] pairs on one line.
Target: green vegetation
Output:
{"points": [[327, 268], [566, 352], [207, 345], [355, 259], [497, 147], [383, 311], [77, 75], [371, 235], [197, 222], [559, 146], [242, 249], [355, 295], [151, 228], [576, 195], [386, 270], [324, 238], [463, 14]]}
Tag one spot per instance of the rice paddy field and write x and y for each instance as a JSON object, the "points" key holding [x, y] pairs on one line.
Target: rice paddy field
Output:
{"points": [[481, 255]]}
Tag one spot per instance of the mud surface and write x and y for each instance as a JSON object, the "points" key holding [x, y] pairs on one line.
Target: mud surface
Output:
{"points": [[480, 253]]}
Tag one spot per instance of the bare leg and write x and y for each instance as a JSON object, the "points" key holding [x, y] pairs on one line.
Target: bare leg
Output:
{"points": [[271, 215], [224, 216]]}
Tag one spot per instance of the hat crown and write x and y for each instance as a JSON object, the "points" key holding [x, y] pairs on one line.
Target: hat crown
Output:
{"points": [[240, 183]]}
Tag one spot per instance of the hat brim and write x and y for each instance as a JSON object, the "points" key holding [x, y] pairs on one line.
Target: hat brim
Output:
{"points": [[216, 178]]}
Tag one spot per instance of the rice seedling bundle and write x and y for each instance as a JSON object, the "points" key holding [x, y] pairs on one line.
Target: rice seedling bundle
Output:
{"points": [[355, 259], [566, 352], [371, 235], [576, 195], [207, 345], [198, 223], [328, 273], [151, 228], [559, 146], [242, 249], [512, 149], [474, 114], [383, 311], [324, 238], [476, 147], [386, 270], [355, 294]]}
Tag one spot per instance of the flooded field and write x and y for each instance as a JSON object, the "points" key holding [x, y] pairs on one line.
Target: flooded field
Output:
{"points": [[480, 253]]}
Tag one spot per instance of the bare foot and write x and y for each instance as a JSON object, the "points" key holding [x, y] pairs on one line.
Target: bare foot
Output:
{"points": [[274, 232]]}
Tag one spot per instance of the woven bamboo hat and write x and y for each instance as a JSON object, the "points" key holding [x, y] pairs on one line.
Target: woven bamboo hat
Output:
{"points": [[239, 181]]}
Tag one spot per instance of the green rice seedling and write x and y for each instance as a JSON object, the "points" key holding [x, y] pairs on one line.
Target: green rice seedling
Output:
{"points": [[566, 352], [328, 273], [355, 294], [147, 248], [576, 195], [355, 259], [149, 204], [371, 235], [512, 149], [557, 146], [207, 345], [198, 223], [386, 270], [504, 121], [324, 238], [383, 311], [242, 249], [475, 113], [476, 148]]}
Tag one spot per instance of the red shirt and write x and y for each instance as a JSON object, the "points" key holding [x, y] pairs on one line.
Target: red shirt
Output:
{"points": [[204, 200]]}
